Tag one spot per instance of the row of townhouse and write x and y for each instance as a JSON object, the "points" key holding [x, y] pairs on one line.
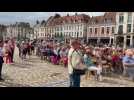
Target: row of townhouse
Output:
{"points": [[124, 35], [101, 29], [112, 28], [3, 31], [67, 26], [19, 30]]}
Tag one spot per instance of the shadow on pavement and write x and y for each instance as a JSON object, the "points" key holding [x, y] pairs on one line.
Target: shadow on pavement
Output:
{"points": [[9, 83], [113, 82], [22, 65]]}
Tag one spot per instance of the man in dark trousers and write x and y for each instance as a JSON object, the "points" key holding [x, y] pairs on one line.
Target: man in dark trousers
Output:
{"points": [[1, 59]]}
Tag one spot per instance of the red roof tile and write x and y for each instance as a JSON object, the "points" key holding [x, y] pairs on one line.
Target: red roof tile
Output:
{"points": [[68, 19]]}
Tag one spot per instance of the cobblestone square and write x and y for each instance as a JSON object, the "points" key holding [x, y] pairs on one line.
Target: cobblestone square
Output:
{"points": [[34, 73], [103, 44]]}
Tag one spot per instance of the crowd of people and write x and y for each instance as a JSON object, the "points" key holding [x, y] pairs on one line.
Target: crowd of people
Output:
{"points": [[55, 53], [78, 57], [26, 48], [7, 49], [6, 53], [96, 59]]}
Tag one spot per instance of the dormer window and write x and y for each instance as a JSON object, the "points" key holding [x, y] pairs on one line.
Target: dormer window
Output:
{"points": [[121, 18], [129, 20], [96, 21], [105, 20]]}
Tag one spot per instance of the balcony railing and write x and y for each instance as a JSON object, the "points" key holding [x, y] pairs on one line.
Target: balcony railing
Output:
{"points": [[120, 32]]}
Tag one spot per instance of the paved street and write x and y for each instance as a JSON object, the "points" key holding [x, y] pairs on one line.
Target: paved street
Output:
{"points": [[34, 73]]}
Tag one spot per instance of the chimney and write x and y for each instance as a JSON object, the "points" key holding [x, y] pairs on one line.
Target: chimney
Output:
{"points": [[68, 14]]}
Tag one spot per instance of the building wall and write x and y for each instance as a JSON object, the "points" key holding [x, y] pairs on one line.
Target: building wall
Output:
{"points": [[66, 30], [99, 30], [125, 14], [14, 31]]}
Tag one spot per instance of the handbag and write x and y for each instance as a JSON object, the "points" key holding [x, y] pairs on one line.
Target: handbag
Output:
{"points": [[77, 71]]}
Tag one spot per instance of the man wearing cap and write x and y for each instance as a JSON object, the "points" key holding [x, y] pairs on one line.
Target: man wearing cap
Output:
{"points": [[75, 62]]}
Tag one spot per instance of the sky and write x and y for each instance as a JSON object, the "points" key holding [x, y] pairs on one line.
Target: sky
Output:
{"points": [[31, 17]]}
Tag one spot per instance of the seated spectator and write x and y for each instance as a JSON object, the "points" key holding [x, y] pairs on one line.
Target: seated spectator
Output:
{"points": [[91, 66], [63, 55]]}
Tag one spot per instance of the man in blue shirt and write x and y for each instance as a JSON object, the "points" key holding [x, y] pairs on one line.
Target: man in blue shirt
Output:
{"points": [[128, 58], [128, 62]]}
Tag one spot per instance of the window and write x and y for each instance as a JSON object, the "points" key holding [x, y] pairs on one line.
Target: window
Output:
{"points": [[41, 29], [90, 30], [77, 34], [129, 20], [120, 29], [102, 30], [66, 27], [81, 27], [121, 19], [95, 30], [112, 29], [128, 27], [133, 27], [108, 30], [105, 20], [57, 29], [69, 27], [81, 33], [67, 33]]}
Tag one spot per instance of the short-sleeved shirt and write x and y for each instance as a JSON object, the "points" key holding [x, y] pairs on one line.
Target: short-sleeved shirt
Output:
{"points": [[88, 62], [74, 58], [129, 60]]}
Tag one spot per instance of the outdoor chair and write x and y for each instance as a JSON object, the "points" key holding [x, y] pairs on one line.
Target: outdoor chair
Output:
{"points": [[106, 67], [92, 73]]}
